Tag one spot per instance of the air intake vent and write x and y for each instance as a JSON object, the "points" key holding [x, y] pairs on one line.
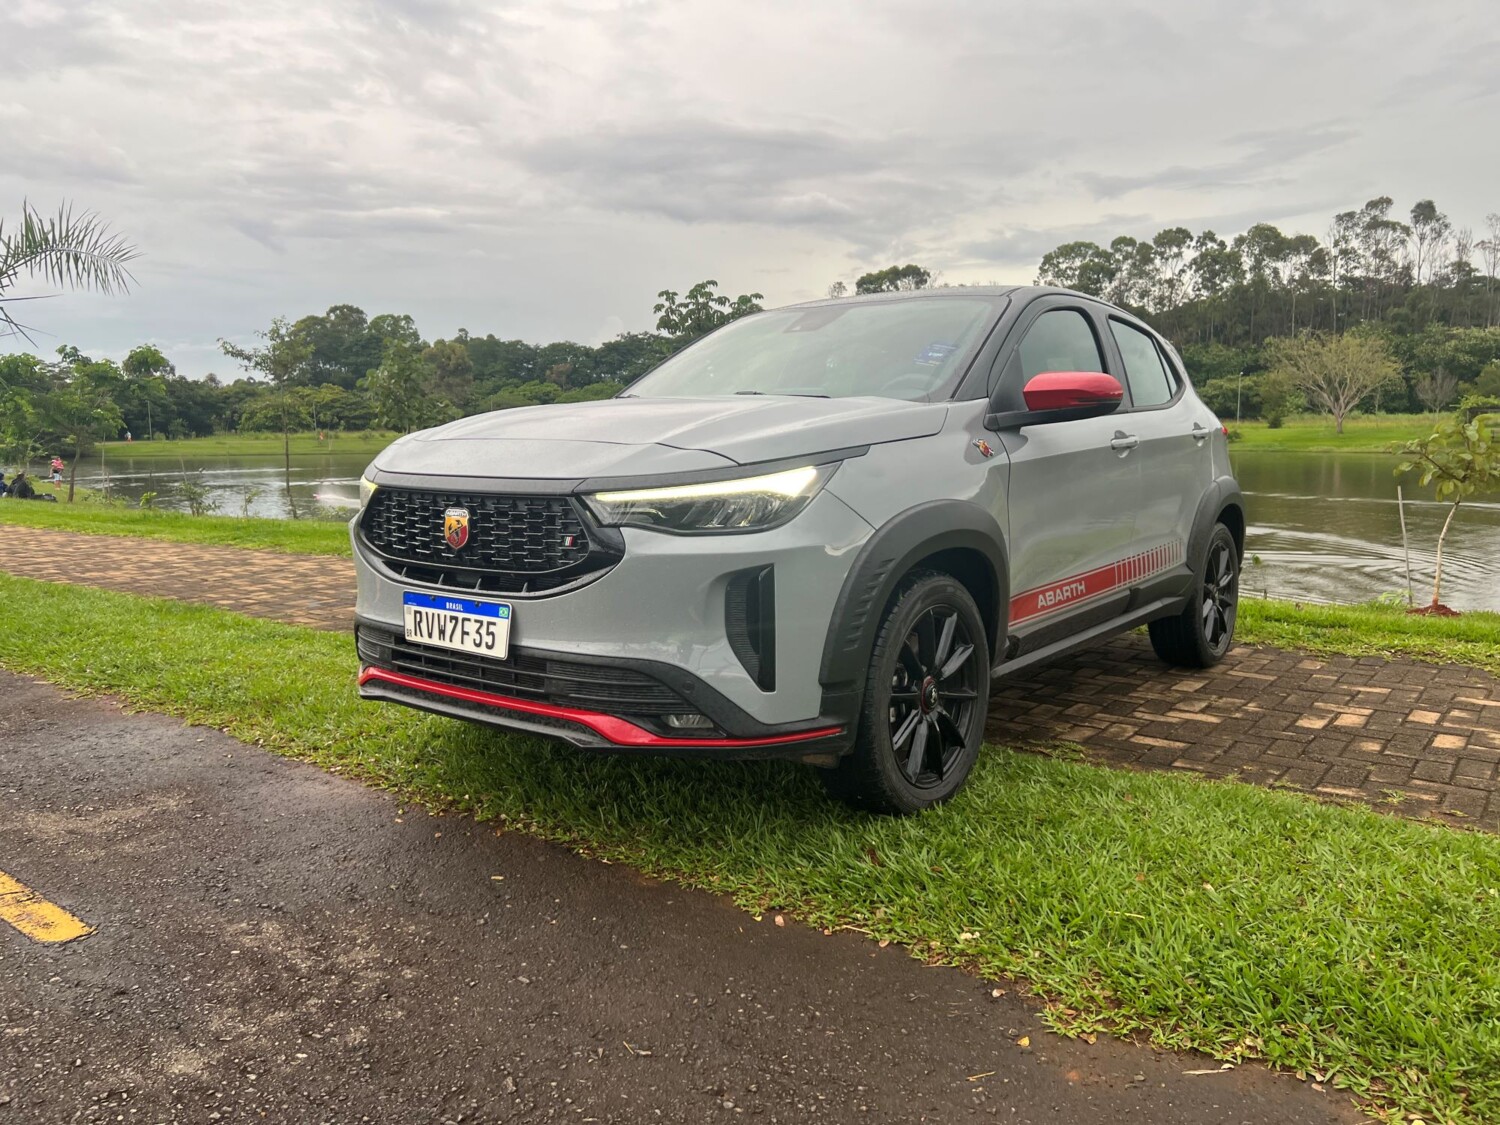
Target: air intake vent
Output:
{"points": [[750, 623]]}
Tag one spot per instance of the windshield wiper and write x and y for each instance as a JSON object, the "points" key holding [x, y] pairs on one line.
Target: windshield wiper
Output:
{"points": [[785, 394]]}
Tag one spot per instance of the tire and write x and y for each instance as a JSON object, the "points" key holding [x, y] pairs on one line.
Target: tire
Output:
{"points": [[1203, 632], [919, 730]]}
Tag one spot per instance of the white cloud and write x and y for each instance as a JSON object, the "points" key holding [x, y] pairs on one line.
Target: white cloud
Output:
{"points": [[540, 169]]}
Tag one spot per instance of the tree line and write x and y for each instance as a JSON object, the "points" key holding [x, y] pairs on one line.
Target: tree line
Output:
{"points": [[1419, 298], [1423, 289], [337, 370]]}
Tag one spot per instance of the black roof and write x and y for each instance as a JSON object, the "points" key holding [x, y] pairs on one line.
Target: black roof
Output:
{"points": [[942, 291]]}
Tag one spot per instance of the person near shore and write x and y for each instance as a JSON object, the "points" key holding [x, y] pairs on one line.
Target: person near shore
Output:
{"points": [[20, 487], [57, 470]]}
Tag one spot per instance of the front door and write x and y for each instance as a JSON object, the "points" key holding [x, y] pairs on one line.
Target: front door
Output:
{"points": [[1073, 490]]}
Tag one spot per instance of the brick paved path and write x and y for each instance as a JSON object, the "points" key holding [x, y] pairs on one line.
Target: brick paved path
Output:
{"points": [[1421, 739], [302, 589]]}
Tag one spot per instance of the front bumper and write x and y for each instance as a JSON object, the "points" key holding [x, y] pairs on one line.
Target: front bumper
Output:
{"points": [[663, 605], [592, 702]]}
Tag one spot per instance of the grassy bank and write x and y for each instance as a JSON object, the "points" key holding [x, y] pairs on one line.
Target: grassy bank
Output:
{"points": [[307, 537], [1241, 921], [243, 445], [1372, 630], [1314, 433]]}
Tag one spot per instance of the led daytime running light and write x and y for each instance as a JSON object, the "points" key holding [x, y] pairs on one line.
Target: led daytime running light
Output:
{"points": [[789, 483]]}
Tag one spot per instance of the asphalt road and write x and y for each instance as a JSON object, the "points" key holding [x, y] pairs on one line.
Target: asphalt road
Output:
{"points": [[274, 943]]}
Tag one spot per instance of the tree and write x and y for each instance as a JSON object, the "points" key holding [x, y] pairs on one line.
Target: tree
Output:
{"points": [[1458, 459], [281, 360], [1488, 383], [1489, 249], [1429, 233], [72, 251], [1436, 389], [146, 369], [86, 407], [838, 289], [342, 345], [1084, 266], [1334, 372], [700, 311], [892, 279], [26, 386], [452, 378], [397, 388]]}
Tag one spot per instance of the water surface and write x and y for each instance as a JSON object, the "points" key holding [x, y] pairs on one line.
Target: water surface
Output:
{"points": [[1323, 527]]}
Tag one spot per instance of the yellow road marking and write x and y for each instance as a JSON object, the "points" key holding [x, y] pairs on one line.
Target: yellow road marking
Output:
{"points": [[35, 917]]}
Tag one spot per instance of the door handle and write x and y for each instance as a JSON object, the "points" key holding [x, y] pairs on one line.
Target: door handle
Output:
{"points": [[1122, 442], [1200, 435]]}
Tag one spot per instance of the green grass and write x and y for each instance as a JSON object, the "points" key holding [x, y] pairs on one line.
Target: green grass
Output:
{"points": [[1372, 630], [243, 445], [1240, 921], [307, 537], [1314, 433]]}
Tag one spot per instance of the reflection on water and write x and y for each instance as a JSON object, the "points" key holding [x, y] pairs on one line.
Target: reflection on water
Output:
{"points": [[323, 486], [1327, 528], [1323, 527]]}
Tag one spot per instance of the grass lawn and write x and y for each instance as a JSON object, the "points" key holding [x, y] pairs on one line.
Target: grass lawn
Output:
{"points": [[1314, 433], [1372, 630], [308, 537], [1245, 922], [243, 445]]}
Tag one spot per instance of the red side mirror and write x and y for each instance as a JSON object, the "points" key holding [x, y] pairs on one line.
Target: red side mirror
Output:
{"points": [[1064, 390]]}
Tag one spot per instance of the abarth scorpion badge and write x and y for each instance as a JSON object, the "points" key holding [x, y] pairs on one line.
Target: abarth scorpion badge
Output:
{"points": [[456, 527]]}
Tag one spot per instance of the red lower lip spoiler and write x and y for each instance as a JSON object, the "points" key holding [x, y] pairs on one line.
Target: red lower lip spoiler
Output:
{"points": [[612, 729]]}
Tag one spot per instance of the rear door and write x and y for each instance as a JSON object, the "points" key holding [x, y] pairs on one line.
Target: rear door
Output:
{"points": [[1173, 454], [1074, 486]]}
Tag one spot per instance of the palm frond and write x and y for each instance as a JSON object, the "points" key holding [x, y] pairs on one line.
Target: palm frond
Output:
{"points": [[74, 250]]}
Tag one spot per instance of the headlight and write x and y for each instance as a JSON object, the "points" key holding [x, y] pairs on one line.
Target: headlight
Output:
{"points": [[366, 490], [746, 504]]}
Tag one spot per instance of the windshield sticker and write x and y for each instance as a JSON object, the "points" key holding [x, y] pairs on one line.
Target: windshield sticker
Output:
{"points": [[934, 354]]}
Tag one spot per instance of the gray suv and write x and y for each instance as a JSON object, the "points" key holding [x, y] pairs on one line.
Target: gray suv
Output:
{"points": [[817, 533]]}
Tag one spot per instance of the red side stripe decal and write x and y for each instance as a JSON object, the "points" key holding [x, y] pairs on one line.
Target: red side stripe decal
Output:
{"points": [[1042, 600]]}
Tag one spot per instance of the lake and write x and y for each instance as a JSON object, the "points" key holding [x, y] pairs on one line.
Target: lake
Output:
{"points": [[1326, 527], [1323, 527]]}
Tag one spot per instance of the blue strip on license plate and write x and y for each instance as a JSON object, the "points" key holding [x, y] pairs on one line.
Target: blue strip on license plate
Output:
{"points": [[498, 610]]}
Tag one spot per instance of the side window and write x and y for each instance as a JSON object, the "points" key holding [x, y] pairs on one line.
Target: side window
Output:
{"points": [[1059, 340], [1151, 383]]}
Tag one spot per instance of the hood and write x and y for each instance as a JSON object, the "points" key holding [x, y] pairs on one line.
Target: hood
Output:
{"points": [[626, 436]]}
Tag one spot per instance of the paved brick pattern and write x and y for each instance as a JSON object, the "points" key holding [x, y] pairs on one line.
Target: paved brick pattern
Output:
{"points": [[302, 589], [1419, 739]]}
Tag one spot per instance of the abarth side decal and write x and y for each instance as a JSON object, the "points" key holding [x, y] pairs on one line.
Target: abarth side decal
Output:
{"points": [[1079, 588]]}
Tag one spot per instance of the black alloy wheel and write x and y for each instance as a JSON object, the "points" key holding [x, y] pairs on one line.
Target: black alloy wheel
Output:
{"points": [[925, 698], [932, 692], [1203, 632], [1221, 590]]}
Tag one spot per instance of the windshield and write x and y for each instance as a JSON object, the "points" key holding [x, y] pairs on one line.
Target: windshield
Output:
{"points": [[893, 349]]}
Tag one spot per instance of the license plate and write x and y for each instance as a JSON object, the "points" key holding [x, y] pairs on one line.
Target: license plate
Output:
{"points": [[458, 623]]}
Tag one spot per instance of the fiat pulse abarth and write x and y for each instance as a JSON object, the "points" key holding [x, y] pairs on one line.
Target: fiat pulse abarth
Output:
{"points": [[817, 533]]}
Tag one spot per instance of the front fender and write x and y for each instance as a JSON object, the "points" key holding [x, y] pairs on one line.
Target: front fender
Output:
{"points": [[886, 557]]}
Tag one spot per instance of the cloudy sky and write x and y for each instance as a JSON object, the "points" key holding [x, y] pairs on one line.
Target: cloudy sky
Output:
{"points": [[541, 169]]}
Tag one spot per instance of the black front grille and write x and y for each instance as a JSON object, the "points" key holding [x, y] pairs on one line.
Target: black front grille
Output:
{"points": [[516, 544], [566, 683]]}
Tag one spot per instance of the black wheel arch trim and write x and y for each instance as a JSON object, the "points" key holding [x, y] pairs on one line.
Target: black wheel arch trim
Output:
{"points": [[886, 557], [1220, 497]]}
